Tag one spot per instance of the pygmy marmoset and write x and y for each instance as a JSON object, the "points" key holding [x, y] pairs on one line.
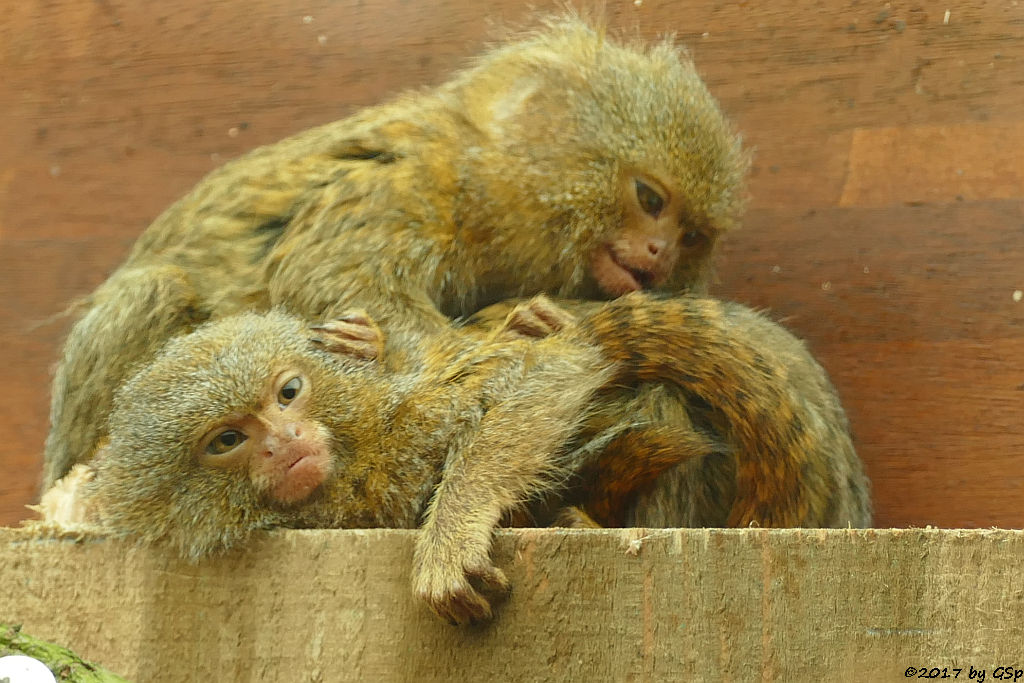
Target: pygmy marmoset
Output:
{"points": [[560, 162]]}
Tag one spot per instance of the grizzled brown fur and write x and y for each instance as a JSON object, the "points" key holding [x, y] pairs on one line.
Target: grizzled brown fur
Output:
{"points": [[483, 423], [454, 443], [559, 162], [727, 392]]}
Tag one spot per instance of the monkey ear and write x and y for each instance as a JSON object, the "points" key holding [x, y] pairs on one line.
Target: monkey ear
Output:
{"points": [[354, 334], [529, 109], [513, 101]]}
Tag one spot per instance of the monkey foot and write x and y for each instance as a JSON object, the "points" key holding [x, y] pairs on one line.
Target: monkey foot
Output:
{"points": [[353, 334], [539, 317], [574, 518]]}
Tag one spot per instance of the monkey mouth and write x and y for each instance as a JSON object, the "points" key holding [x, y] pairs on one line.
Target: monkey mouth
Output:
{"points": [[297, 460], [616, 276], [300, 478], [643, 278]]}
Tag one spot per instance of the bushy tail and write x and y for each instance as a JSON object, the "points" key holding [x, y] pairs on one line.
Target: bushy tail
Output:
{"points": [[697, 344]]}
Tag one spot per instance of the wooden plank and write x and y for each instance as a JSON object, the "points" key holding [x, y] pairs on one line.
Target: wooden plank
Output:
{"points": [[638, 604]]}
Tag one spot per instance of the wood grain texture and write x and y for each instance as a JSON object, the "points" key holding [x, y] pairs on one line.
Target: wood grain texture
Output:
{"points": [[604, 605], [933, 163], [862, 235]]}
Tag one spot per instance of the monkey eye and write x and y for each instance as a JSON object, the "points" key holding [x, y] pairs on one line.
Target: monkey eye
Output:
{"points": [[289, 391], [693, 238], [650, 201], [226, 441]]}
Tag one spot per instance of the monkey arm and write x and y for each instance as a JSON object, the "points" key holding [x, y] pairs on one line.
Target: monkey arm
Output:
{"points": [[377, 237], [514, 452], [129, 317]]}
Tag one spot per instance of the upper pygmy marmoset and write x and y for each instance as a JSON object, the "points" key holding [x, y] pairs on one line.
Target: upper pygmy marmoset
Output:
{"points": [[561, 161]]}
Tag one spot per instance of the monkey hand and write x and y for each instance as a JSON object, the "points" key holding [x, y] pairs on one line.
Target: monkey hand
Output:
{"points": [[453, 579], [354, 334], [537, 318]]}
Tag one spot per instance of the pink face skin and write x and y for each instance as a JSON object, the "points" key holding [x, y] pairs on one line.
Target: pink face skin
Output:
{"points": [[629, 264], [656, 231], [291, 461], [287, 455]]}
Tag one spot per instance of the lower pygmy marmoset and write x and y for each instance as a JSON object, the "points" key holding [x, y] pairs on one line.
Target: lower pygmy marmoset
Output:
{"points": [[247, 424]]}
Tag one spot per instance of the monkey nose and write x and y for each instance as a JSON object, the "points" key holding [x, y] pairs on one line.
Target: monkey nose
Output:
{"points": [[656, 246], [293, 430]]}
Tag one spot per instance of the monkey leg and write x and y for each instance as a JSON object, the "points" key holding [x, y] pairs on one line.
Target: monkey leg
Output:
{"points": [[629, 466], [129, 317], [632, 438], [607, 485], [574, 518]]}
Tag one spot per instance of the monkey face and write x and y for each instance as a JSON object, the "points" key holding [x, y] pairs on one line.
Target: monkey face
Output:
{"points": [[226, 431], [656, 234], [285, 454]]}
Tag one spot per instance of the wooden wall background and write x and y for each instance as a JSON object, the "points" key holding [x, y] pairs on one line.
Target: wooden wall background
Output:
{"points": [[887, 222]]}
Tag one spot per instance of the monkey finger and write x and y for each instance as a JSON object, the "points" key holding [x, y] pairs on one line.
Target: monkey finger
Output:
{"points": [[476, 607], [459, 605], [469, 607], [349, 347], [539, 317], [551, 314], [357, 316], [358, 338], [489, 579], [523, 322], [348, 330]]}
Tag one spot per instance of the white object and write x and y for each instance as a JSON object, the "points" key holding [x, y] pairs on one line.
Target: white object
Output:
{"points": [[22, 669]]}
